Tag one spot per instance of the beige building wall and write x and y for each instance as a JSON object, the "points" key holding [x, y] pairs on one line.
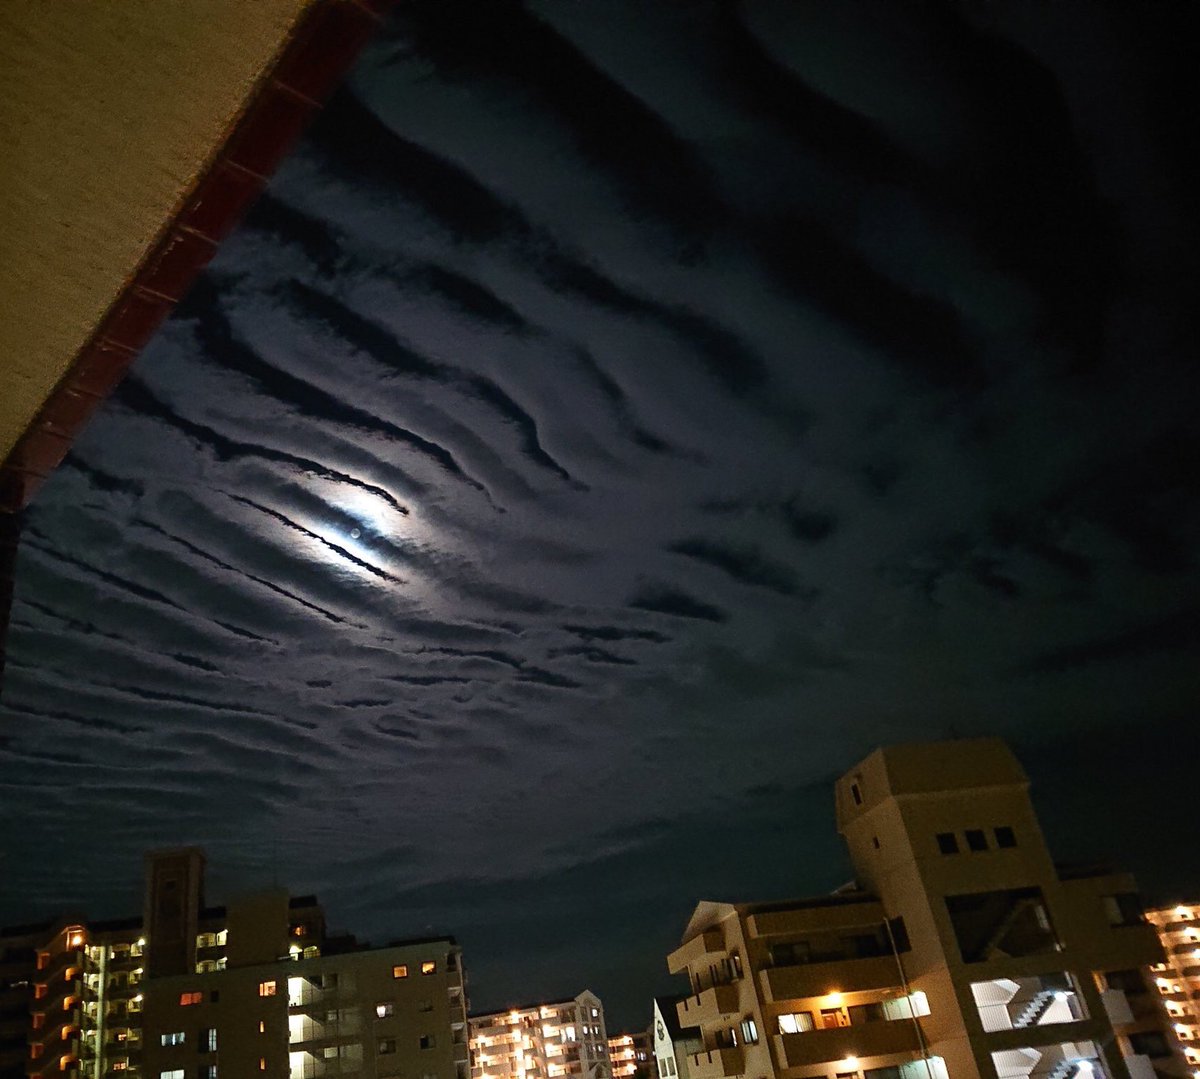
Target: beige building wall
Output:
{"points": [[109, 114]]}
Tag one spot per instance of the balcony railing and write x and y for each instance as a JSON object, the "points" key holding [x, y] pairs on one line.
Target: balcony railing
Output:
{"points": [[709, 1006], [716, 1063], [817, 979], [702, 945], [876, 1039]]}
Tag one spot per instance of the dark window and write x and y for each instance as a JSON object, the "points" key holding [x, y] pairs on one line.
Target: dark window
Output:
{"points": [[1123, 909], [426, 1041], [865, 1013], [1151, 1043], [947, 843], [856, 794], [788, 955], [214, 996], [875, 841], [387, 1045], [976, 840], [899, 932], [864, 946], [1005, 836], [1130, 982]]}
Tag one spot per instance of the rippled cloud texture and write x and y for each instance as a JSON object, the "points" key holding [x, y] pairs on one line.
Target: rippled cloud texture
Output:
{"points": [[614, 420]]}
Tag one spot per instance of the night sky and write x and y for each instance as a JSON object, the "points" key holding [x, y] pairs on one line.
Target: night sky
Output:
{"points": [[615, 420]]}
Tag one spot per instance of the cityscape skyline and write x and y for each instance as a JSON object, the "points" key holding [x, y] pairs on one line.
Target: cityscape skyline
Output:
{"points": [[1173, 921]]}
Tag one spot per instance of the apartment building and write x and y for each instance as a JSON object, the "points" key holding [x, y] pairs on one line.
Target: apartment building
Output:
{"points": [[1177, 978], [630, 1055], [961, 951], [542, 1041], [255, 988], [673, 1044]]}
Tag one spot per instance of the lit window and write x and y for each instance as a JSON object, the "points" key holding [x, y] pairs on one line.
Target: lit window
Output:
{"points": [[173, 1073], [429, 967], [400, 970], [262, 1064], [749, 1031], [174, 1038], [43, 960], [39, 991], [208, 1040], [384, 1009], [795, 1023], [208, 1071], [188, 999], [266, 989], [262, 1027]]}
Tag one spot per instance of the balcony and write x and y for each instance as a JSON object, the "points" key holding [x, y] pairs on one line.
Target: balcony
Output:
{"points": [[865, 1040], [696, 950], [710, 1006], [818, 979], [717, 1063]]}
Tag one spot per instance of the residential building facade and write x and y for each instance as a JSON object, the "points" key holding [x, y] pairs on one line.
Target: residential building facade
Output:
{"points": [[631, 1055], [542, 1041], [195, 992], [1177, 978], [961, 950]]}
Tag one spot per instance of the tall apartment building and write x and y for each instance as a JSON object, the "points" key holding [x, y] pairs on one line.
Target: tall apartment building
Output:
{"points": [[256, 988], [542, 1041], [1177, 978], [961, 951]]}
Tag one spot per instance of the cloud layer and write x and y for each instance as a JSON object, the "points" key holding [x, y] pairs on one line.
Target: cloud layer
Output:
{"points": [[614, 420]]}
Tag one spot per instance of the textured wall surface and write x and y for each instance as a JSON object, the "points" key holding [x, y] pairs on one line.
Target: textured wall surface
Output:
{"points": [[108, 114]]}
